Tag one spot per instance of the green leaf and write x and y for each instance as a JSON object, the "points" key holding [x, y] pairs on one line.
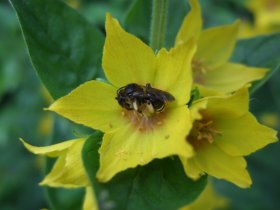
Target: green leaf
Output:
{"points": [[66, 199], [261, 51], [161, 184], [195, 95], [64, 48], [138, 18]]}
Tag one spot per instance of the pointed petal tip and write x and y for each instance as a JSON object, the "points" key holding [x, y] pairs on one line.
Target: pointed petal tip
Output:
{"points": [[275, 136], [192, 24], [195, 5], [47, 108], [43, 183], [57, 183], [21, 140], [102, 177], [26, 145], [52, 106], [247, 184], [109, 21], [108, 16]]}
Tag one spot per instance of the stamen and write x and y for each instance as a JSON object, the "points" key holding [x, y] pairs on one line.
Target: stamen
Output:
{"points": [[159, 122], [145, 121], [203, 131]]}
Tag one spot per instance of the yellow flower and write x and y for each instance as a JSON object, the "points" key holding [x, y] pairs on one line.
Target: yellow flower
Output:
{"points": [[212, 71], [266, 18], [68, 170], [223, 132], [207, 200], [146, 125]]}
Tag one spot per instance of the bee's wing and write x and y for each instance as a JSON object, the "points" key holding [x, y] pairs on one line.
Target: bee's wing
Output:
{"points": [[165, 96], [168, 96]]}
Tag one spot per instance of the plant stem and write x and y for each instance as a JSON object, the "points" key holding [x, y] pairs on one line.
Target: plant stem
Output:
{"points": [[158, 24]]}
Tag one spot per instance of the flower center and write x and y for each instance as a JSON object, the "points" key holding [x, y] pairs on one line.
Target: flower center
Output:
{"points": [[203, 132], [199, 70], [143, 105], [143, 122]]}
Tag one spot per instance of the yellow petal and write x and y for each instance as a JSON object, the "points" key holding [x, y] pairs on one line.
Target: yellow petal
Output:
{"points": [[205, 92], [55, 172], [196, 107], [126, 59], [192, 24], [129, 146], [92, 104], [228, 107], [215, 45], [215, 162], [50, 151], [191, 169], [68, 170], [90, 200], [174, 73], [243, 135], [230, 77]]}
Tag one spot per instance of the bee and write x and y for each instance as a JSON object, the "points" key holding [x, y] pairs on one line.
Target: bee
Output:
{"points": [[143, 98]]}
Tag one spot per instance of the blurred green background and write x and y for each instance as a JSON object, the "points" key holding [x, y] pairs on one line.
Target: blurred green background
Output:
{"points": [[22, 99]]}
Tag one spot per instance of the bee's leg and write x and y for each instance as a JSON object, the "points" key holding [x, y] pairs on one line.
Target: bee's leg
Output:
{"points": [[135, 105]]}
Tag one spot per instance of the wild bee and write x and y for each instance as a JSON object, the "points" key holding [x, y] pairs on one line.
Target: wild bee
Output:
{"points": [[140, 98]]}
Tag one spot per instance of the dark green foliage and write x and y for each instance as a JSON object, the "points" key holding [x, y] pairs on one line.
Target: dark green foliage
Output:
{"points": [[261, 51], [64, 48]]}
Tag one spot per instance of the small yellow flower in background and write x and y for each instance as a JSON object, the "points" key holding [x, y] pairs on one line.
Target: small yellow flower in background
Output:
{"points": [[223, 132], [45, 124], [73, 3], [266, 18], [207, 200], [150, 118], [68, 170], [212, 71], [270, 119], [266, 12]]}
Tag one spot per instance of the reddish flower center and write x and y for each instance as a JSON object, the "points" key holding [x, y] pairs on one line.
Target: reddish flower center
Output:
{"points": [[203, 131], [143, 122]]}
